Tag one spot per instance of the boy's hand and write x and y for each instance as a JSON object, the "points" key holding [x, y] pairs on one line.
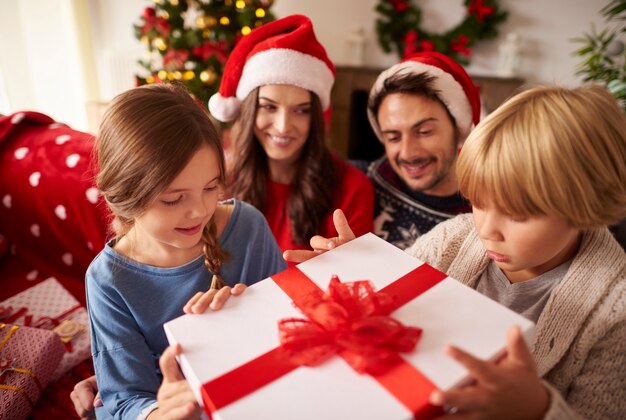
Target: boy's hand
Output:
{"points": [[508, 389], [321, 244], [86, 398]]}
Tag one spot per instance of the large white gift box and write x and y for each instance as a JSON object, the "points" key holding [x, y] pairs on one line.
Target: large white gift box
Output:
{"points": [[233, 360]]}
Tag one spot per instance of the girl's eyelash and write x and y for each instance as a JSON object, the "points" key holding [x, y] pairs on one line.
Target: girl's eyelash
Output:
{"points": [[174, 202], [171, 203]]}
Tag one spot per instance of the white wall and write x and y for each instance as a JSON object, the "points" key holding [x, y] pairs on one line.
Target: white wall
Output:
{"points": [[42, 54], [46, 67], [545, 26]]}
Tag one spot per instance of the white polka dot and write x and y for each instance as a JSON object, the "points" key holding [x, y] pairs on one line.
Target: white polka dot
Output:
{"points": [[72, 160], [67, 259], [7, 201], [35, 230], [55, 125], [60, 212], [92, 195], [20, 153], [17, 118], [63, 138], [90, 246], [34, 178], [32, 275]]}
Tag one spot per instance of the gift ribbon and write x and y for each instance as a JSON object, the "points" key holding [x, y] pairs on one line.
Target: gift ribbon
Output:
{"points": [[9, 334], [351, 320], [402, 380], [30, 373], [20, 390], [9, 316]]}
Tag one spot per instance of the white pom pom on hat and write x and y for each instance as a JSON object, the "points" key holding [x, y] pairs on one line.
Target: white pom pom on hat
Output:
{"points": [[284, 51], [452, 83], [224, 109]]}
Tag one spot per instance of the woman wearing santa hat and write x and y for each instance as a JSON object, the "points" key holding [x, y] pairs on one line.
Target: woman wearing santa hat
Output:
{"points": [[275, 87]]}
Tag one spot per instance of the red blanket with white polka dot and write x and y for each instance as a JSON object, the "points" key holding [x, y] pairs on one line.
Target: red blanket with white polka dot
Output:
{"points": [[51, 214]]}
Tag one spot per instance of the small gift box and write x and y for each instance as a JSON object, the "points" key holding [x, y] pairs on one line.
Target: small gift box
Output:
{"points": [[48, 305], [362, 349], [28, 359]]}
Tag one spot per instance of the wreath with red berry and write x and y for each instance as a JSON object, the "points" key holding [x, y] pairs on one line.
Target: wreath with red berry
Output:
{"points": [[399, 30]]}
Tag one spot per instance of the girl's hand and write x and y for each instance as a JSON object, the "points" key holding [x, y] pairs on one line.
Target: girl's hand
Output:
{"points": [[321, 244], [213, 299], [175, 397], [508, 389]]}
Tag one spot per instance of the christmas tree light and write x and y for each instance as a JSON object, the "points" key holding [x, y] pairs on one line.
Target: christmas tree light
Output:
{"points": [[190, 40]]}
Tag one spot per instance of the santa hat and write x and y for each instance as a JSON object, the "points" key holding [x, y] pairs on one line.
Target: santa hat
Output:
{"points": [[284, 52], [453, 85]]}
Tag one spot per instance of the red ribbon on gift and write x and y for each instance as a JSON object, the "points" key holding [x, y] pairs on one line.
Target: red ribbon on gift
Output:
{"points": [[401, 379], [352, 320], [9, 315]]}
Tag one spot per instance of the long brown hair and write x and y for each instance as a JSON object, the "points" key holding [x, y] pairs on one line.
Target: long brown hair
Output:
{"points": [[147, 136], [316, 172]]}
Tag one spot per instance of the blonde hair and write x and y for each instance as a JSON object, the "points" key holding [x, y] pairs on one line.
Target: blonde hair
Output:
{"points": [[550, 151], [146, 138]]}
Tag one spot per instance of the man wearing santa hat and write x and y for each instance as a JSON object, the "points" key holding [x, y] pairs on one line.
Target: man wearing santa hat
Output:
{"points": [[421, 109]]}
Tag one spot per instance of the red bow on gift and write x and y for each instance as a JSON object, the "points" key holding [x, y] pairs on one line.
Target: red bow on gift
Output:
{"points": [[350, 319]]}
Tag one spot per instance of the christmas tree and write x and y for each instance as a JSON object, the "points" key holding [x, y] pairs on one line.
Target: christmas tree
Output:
{"points": [[189, 40]]}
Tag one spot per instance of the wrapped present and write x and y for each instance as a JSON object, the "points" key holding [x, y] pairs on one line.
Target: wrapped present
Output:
{"points": [[357, 332], [28, 359], [48, 305]]}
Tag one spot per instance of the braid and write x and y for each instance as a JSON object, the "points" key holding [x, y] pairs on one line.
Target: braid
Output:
{"points": [[214, 255]]}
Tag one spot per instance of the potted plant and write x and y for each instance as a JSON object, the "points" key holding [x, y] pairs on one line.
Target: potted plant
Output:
{"points": [[603, 53]]}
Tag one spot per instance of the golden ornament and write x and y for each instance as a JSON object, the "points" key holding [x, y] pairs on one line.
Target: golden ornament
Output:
{"points": [[208, 77]]}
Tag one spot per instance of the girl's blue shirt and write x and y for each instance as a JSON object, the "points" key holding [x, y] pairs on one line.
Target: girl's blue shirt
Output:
{"points": [[128, 302]]}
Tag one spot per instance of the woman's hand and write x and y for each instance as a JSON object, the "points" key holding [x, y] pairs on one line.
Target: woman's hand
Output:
{"points": [[508, 389], [175, 397], [213, 299], [321, 244], [86, 398]]}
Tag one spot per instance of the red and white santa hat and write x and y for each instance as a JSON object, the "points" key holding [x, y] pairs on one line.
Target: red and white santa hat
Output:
{"points": [[454, 87], [284, 52]]}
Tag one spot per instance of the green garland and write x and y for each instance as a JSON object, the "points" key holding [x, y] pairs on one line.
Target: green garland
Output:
{"points": [[398, 29]]}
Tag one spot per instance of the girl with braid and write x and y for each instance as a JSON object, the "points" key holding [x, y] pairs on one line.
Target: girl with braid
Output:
{"points": [[176, 247]]}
